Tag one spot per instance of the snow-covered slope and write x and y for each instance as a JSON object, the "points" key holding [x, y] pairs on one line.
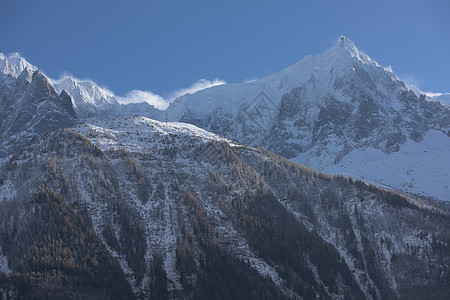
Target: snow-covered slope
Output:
{"points": [[325, 107], [126, 131], [418, 167]]}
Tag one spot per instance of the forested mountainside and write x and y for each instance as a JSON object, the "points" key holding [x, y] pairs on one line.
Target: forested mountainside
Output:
{"points": [[131, 207]]}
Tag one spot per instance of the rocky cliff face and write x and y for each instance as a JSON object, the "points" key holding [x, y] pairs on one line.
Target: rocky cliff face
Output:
{"points": [[360, 120], [29, 106], [188, 214]]}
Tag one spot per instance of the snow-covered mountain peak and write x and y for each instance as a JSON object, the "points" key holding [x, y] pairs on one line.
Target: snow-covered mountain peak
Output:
{"points": [[345, 48], [348, 45], [320, 73], [88, 85], [14, 64], [87, 97], [319, 110], [87, 90]]}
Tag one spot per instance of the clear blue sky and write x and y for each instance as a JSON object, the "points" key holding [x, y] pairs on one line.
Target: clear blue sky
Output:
{"points": [[161, 46]]}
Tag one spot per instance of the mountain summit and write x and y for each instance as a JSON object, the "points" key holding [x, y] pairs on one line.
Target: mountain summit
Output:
{"points": [[350, 47], [337, 106], [320, 69], [14, 64]]}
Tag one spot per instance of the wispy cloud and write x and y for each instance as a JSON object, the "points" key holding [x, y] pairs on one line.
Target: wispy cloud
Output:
{"points": [[433, 94], [250, 80], [137, 96], [411, 79], [197, 86], [160, 102]]}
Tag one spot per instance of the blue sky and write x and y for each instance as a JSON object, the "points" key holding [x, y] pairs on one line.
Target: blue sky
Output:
{"points": [[162, 46]]}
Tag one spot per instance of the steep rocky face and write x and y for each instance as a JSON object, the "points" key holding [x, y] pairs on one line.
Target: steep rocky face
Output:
{"points": [[188, 214], [338, 126], [30, 106]]}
